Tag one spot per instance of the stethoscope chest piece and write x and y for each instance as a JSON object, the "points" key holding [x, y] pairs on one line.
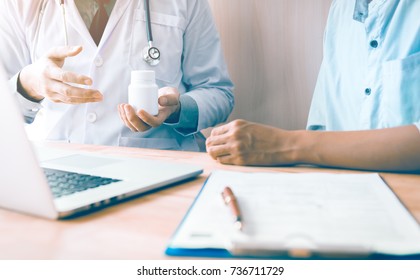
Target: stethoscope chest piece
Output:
{"points": [[151, 55]]}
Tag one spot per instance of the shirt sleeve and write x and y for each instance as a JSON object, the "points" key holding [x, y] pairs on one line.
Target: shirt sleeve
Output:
{"points": [[188, 117], [204, 73], [29, 108], [317, 117]]}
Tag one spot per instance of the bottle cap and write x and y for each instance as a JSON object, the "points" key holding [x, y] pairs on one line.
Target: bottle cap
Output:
{"points": [[143, 76]]}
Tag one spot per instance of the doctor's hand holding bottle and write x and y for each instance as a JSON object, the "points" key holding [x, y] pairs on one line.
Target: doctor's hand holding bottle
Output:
{"points": [[46, 79], [169, 108]]}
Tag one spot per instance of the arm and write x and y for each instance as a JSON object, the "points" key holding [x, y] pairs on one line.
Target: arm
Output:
{"points": [[204, 69], [15, 53], [245, 143]]}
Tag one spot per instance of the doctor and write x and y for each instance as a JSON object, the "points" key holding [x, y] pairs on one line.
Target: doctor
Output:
{"points": [[82, 87]]}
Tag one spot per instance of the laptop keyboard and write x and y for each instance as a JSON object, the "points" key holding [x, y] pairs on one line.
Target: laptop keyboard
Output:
{"points": [[64, 183]]}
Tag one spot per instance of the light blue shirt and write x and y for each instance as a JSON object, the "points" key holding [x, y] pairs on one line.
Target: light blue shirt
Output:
{"points": [[370, 75]]}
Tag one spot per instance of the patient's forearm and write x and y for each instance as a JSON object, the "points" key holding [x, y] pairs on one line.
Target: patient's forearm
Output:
{"points": [[390, 149]]}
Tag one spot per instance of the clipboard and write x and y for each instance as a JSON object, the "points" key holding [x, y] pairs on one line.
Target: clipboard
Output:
{"points": [[388, 231]]}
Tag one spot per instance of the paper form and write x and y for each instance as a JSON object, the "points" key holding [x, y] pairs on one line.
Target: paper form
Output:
{"points": [[303, 210]]}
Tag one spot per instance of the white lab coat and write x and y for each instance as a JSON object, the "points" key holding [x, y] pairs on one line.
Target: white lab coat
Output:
{"points": [[191, 60]]}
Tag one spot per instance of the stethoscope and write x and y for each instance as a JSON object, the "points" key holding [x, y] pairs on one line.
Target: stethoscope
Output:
{"points": [[151, 54]]}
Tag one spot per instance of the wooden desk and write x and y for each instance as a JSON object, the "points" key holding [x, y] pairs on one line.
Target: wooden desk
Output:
{"points": [[139, 228]]}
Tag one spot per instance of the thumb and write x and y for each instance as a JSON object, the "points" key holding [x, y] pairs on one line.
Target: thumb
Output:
{"points": [[60, 53], [169, 100]]}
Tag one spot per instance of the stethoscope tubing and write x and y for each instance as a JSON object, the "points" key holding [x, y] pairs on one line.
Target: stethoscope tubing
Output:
{"points": [[149, 33]]}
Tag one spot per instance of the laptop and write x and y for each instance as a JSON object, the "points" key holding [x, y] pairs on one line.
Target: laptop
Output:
{"points": [[59, 183]]}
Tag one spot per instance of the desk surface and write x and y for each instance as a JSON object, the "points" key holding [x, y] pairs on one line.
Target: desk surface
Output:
{"points": [[139, 228]]}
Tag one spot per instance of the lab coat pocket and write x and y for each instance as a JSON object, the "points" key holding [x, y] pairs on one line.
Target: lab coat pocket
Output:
{"points": [[149, 143], [401, 91], [168, 31]]}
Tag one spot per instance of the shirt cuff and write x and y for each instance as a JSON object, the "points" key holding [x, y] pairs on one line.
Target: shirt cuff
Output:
{"points": [[418, 125], [28, 108], [188, 117]]}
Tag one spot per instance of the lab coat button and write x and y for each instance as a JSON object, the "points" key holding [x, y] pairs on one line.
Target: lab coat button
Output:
{"points": [[99, 61], [91, 117]]}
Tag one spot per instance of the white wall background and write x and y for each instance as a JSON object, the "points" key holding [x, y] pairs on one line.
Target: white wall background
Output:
{"points": [[274, 50]]}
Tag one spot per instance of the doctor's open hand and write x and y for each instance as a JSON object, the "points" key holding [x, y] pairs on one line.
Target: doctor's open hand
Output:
{"points": [[245, 143], [46, 79], [169, 109]]}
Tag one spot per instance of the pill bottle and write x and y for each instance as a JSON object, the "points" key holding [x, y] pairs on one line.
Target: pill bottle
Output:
{"points": [[143, 91]]}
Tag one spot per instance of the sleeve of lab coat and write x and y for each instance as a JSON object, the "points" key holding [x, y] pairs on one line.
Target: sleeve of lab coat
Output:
{"points": [[14, 49], [204, 70]]}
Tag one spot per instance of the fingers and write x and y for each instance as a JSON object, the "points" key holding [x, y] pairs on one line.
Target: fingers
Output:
{"points": [[219, 136], [141, 121], [169, 96], [123, 117], [228, 144], [225, 155], [54, 71], [218, 151], [60, 92], [58, 74], [220, 130], [60, 53], [153, 121], [216, 140], [228, 159], [130, 119]]}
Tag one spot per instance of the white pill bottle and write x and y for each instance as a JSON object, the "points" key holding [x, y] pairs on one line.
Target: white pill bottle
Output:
{"points": [[143, 91]]}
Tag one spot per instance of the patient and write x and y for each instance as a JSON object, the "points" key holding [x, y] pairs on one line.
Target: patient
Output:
{"points": [[365, 112]]}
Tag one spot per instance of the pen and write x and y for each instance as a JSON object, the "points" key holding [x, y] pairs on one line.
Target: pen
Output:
{"points": [[230, 200]]}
